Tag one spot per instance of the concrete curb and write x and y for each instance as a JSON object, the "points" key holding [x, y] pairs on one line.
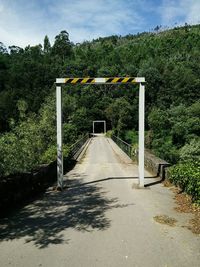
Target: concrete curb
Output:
{"points": [[83, 149]]}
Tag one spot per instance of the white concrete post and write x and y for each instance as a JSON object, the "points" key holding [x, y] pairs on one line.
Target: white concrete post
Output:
{"points": [[141, 133], [59, 137], [104, 126]]}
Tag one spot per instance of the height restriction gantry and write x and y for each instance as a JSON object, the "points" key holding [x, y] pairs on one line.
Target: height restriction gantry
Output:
{"points": [[108, 80], [97, 81]]}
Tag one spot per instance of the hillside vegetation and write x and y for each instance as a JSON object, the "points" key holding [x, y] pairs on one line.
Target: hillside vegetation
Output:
{"points": [[168, 60]]}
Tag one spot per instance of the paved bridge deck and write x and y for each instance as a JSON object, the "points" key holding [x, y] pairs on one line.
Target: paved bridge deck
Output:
{"points": [[105, 160], [99, 220]]}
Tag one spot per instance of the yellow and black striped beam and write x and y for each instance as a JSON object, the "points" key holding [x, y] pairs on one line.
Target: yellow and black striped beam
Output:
{"points": [[109, 80]]}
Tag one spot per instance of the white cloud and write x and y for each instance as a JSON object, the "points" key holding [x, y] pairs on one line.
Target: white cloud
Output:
{"points": [[27, 22], [24, 22], [92, 18], [180, 11], [1, 8], [193, 16], [19, 24]]}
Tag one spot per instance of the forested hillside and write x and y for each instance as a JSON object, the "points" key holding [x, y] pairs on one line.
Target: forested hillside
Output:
{"points": [[168, 60]]}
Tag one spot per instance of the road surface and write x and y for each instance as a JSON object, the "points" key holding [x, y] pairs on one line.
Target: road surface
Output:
{"points": [[99, 220]]}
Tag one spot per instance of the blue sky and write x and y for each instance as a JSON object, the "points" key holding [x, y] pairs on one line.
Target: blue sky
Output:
{"points": [[24, 22]]}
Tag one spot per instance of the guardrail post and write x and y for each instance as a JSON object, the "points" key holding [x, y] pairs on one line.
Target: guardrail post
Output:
{"points": [[59, 137], [141, 134]]}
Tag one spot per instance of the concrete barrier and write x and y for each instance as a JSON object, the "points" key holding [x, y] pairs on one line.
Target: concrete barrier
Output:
{"points": [[152, 163], [21, 187], [155, 165]]}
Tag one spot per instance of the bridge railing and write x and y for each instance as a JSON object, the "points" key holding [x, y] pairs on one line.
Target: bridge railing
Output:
{"points": [[127, 148], [76, 148], [152, 163]]}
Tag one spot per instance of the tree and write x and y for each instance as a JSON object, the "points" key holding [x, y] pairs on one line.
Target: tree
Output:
{"points": [[3, 49], [62, 45], [119, 113], [15, 49], [169, 61], [22, 108], [47, 45], [3, 72]]}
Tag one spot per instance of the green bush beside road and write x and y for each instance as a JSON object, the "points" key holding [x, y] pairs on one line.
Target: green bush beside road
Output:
{"points": [[186, 175]]}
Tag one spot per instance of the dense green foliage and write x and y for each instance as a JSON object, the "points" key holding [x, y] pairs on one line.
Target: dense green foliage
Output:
{"points": [[169, 61], [187, 176], [174, 130]]}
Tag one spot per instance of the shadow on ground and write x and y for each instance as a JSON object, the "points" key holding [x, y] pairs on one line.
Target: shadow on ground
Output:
{"points": [[81, 207], [156, 178]]}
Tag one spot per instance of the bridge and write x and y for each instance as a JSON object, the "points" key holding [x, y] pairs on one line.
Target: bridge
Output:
{"points": [[100, 219], [104, 160]]}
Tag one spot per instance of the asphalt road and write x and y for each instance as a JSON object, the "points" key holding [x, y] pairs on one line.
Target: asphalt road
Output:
{"points": [[99, 220]]}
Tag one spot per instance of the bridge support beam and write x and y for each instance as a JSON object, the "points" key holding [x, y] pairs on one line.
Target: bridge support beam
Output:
{"points": [[141, 133], [59, 137]]}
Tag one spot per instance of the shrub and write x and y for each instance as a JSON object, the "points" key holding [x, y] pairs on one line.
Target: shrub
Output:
{"points": [[49, 155], [109, 133], [131, 136], [187, 177], [15, 156], [191, 151], [164, 149], [173, 131], [69, 133]]}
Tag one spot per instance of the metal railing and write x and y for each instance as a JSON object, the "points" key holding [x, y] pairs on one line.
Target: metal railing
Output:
{"points": [[75, 149], [127, 148]]}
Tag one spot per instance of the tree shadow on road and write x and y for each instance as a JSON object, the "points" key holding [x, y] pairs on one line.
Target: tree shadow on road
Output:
{"points": [[82, 207]]}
